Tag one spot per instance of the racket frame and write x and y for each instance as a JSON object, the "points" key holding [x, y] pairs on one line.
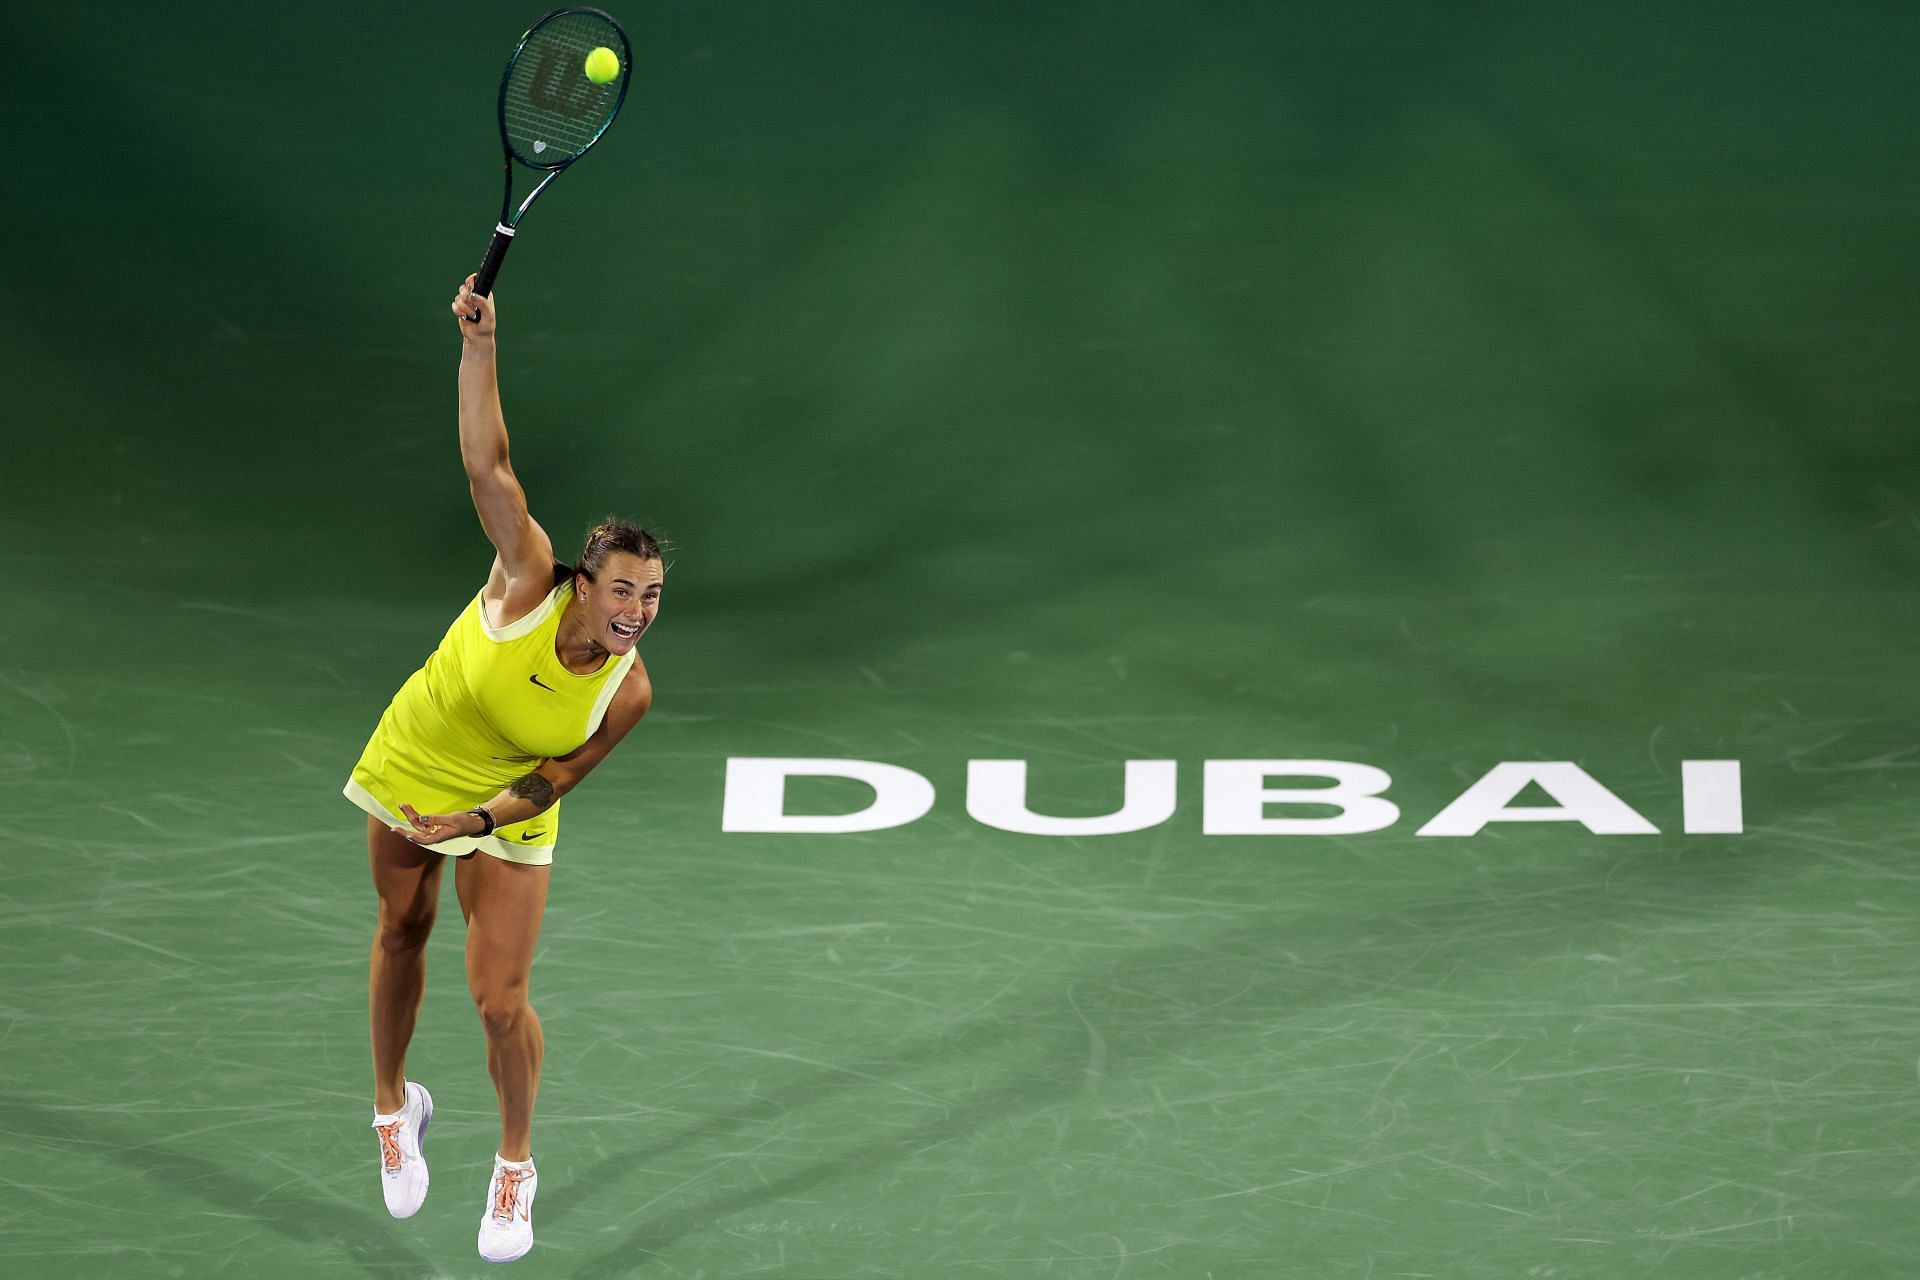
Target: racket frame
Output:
{"points": [[503, 231]]}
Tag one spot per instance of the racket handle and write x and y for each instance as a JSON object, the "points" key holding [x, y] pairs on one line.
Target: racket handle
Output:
{"points": [[490, 265]]}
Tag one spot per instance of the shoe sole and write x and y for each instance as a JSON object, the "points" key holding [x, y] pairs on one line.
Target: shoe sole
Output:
{"points": [[515, 1258]]}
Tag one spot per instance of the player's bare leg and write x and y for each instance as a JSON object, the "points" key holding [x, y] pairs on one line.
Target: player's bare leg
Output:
{"points": [[407, 880], [504, 902]]}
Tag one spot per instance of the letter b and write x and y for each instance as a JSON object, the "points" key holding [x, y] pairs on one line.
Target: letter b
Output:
{"points": [[1238, 795]]}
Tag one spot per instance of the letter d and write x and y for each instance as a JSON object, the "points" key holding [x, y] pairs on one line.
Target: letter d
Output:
{"points": [[756, 798]]}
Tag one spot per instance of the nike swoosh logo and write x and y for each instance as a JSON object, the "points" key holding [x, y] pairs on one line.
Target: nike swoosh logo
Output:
{"points": [[543, 684], [531, 835]]}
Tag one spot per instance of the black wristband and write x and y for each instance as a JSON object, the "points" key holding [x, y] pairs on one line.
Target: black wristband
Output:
{"points": [[485, 818]]}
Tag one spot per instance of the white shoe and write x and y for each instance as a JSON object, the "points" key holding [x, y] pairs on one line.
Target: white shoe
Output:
{"points": [[403, 1170], [506, 1228]]}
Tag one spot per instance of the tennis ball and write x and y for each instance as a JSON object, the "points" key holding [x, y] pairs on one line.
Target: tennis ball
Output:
{"points": [[603, 65]]}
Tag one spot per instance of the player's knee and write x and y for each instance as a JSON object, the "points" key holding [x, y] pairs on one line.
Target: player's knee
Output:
{"points": [[402, 931], [502, 1012]]}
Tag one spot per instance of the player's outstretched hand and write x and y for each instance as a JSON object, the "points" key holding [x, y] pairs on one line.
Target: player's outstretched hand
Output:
{"points": [[465, 306], [433, 828]]}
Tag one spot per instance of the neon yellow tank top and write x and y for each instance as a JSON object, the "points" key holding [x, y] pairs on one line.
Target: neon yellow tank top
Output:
{"points": [[490, 704]]}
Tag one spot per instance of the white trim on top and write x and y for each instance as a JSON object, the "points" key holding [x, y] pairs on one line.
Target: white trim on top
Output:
{"points": [[522, 626], [607, 690]]}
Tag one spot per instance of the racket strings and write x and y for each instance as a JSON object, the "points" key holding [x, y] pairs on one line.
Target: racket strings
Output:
{"points": [[550, 111]]}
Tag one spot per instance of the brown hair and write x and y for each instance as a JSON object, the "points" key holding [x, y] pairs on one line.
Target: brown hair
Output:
{"points": [[612, 535]]}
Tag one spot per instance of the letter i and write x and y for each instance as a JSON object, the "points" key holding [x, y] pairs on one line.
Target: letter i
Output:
{"points": [[1710, 797]]}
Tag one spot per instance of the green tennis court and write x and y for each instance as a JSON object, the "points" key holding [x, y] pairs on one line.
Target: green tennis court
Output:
{"points": [[1391, 397]]}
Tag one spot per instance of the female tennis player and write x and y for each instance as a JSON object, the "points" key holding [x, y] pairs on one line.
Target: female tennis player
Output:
{"points": [[533, 684]]}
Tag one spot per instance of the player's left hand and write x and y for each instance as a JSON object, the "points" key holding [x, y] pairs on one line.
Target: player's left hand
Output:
{"points": [[433, 828]]}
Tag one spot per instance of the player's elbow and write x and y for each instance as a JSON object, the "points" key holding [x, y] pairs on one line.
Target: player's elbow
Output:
{"points": [[561, 778], [487, 471]]}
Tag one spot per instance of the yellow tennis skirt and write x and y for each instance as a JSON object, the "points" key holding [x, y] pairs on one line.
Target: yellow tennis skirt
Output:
{"points": [[530, 842]]}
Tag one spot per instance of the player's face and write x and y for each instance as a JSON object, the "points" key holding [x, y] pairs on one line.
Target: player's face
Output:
{"points": [[622, 604]]}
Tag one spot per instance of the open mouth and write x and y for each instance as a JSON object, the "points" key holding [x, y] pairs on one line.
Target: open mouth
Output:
{"points": [[625, 633]]}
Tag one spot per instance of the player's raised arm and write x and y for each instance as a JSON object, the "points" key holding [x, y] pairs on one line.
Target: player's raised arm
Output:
{"points": [[523, 570]]}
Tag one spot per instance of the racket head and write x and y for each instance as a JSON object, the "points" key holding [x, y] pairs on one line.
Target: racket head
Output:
{"points": [[550, 113]]}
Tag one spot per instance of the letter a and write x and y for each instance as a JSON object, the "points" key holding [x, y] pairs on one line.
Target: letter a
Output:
{"points": [[1581, 800]]}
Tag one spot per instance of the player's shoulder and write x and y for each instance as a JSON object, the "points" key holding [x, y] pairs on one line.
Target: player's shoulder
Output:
{"points": [[507, 599], [630, 700], [635, 686]]}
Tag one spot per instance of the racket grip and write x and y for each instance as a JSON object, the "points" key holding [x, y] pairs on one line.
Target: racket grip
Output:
{"points": [[490, 265]]}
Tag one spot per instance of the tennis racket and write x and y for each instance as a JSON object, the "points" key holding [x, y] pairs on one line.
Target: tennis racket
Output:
{"points": [[551, 114]]}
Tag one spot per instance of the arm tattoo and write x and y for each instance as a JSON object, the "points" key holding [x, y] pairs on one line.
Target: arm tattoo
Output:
{"points": [[534, 787]]}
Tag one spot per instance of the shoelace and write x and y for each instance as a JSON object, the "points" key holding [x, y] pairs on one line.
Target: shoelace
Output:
{"points": [[390, 1156], [508, 1195]]}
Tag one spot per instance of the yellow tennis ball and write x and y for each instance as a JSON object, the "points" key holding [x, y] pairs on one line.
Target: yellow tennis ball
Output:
{"points": [[603, 65]]}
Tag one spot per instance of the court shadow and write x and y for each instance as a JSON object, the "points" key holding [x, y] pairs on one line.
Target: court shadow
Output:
{"points": [[968, 1115], [1170, 999], [362, 1237]]}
